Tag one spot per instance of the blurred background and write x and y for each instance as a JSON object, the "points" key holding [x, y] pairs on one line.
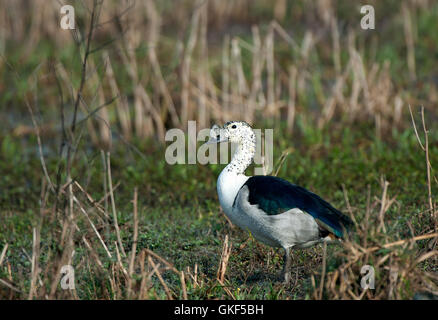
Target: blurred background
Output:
{"points": [[211, 61], [336, 95]]}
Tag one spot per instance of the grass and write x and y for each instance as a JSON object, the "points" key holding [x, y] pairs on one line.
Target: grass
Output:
{"points": [[344, 144], [180, 218]]}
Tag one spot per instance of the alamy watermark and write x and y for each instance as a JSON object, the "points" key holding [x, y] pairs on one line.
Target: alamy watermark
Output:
{"points": [[68, 18], [368, 20], [68, 280], [178, 153], [368, 279]]}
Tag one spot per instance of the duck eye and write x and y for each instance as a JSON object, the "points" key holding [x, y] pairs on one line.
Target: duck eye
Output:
{"points": [[233, 126]]}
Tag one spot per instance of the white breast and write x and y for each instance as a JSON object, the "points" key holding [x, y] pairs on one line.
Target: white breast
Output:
{"points": [[228, 185]]}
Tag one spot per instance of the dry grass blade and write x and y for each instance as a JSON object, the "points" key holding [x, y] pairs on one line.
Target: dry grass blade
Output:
{"points": [[134, 245], [292, 98], [324, 262], [93, 226], [10, 286], [35, 265], [428, 168], [168, 264], [401, 242], [119, 260], [383, 207], [350, 210], [409, 37], [93, 252], [91, 200], [185, 73], [153, 36], [225, 255], [163, 283], [113, 204], [40, 147], [183, 285], [425, 148], [283, 157], [3, 254]]}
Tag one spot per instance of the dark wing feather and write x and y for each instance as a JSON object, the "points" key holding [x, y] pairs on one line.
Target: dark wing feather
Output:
{"points": [[275, 195]]}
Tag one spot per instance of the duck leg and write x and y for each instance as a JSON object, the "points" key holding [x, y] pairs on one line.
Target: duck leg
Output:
{"points": [[287, 265]]}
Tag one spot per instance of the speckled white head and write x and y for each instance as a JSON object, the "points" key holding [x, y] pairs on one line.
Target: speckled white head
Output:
{"points": [[240, 133]]}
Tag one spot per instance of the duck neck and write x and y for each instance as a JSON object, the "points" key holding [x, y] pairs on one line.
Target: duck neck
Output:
{"points": [[243, 156]]}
